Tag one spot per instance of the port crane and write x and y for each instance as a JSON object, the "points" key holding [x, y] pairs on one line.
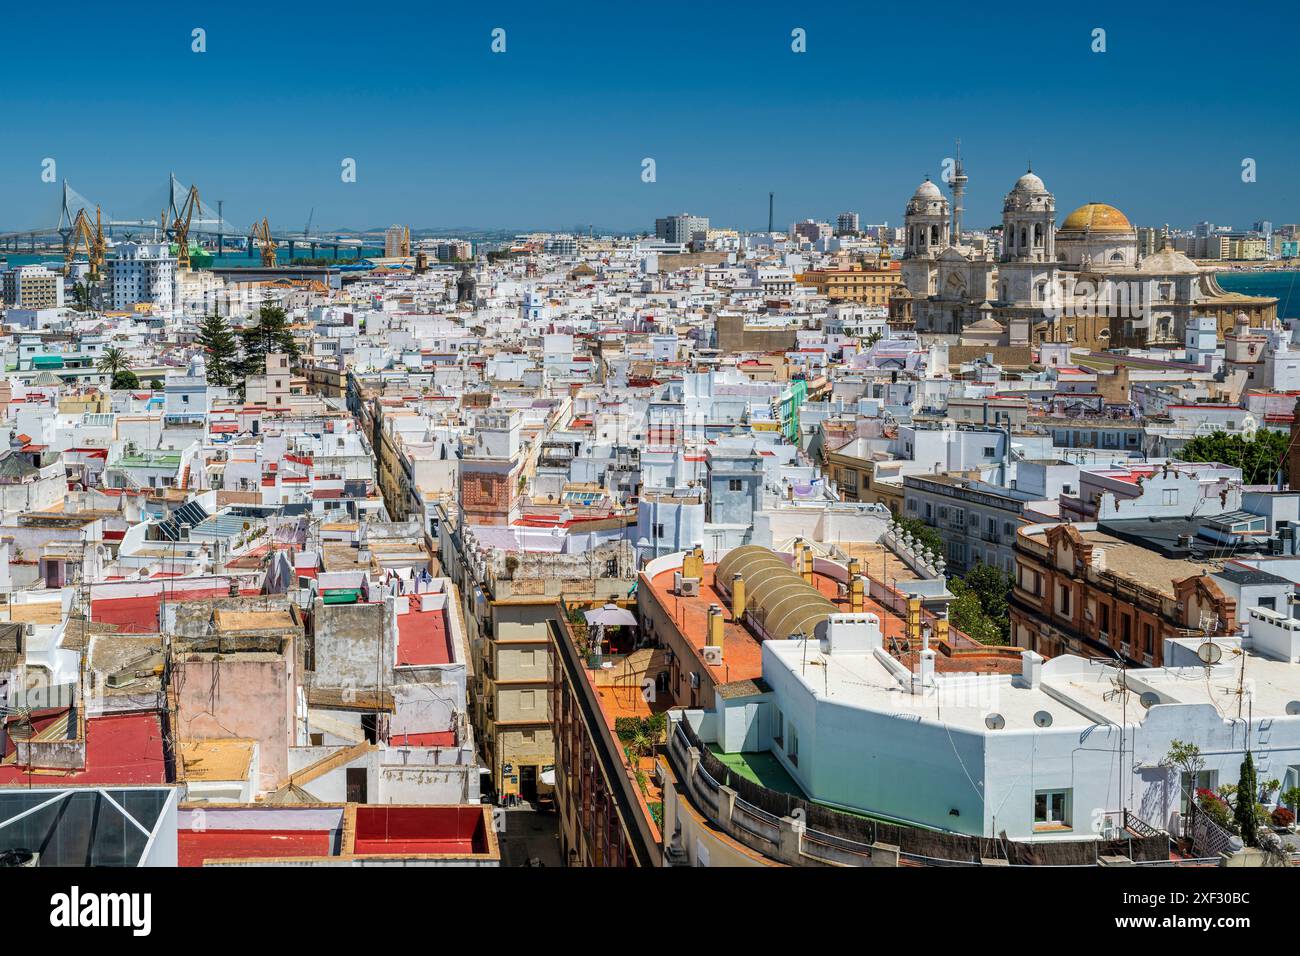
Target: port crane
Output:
{"points": [[92, 239], [181, 227], [262, 235]]}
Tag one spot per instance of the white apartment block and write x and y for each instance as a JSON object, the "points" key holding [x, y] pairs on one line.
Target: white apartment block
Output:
{"points": [[143, 273]]}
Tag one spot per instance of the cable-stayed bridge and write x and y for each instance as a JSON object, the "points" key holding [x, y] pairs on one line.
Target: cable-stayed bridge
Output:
{"points": [[153, 218]]}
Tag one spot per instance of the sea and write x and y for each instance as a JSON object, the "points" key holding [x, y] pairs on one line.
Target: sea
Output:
{"points": [[1284, 286], [230, 259]]}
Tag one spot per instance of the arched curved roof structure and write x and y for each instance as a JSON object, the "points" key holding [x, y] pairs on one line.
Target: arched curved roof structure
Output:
{"points": [[782, 603]]}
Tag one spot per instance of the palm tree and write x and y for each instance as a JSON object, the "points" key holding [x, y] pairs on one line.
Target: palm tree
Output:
{"points": [[113, 360]]}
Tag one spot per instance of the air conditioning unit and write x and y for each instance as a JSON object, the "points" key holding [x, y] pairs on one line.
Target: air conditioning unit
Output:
{"points": [[690, 587], [712, 654]]}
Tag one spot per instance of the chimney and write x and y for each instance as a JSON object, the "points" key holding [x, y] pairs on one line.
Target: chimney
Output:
{"points": [[913, 623], [1031, 669], [808, 565], [857, 593], [924, 676], [737, 596], [941, 630], [714, 638]]}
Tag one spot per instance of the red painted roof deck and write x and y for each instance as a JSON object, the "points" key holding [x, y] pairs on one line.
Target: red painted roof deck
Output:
{"points": [[140, 614], [120, 748], [193, 846], [389, 830], [437, 738], [423, 637]]}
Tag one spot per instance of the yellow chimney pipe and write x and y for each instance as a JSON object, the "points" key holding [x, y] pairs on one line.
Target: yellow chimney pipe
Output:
{"points": [[714, 638], [737, 597]]}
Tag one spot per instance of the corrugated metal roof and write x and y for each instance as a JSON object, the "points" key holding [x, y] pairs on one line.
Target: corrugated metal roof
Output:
{"points": [[781, 601]]}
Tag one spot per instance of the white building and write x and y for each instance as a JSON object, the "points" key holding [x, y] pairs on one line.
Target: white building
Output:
{"points": [[1055, 752], [143, 273]]}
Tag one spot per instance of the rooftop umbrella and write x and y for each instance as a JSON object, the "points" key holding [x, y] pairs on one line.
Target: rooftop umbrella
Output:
{"points": [[611, 615]]}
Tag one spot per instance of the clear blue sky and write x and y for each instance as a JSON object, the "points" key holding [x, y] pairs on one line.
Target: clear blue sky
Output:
{"points": [[551, 134]]}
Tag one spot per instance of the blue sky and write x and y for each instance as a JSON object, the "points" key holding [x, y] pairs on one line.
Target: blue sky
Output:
{"points": [[551, 134]]}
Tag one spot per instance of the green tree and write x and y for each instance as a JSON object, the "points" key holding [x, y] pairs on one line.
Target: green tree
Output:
{"points": [[967, 615], [1187, 759], [988, 586], [125, 379], [1244, 806], [1259, 458], [270, 334], [80, 297], [114, 361], [218, 341]]}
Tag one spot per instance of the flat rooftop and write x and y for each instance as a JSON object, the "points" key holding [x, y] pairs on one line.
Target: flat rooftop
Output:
{"points": [[1143, 565], [423, 637], [224, 759], [120, 749], [861, 679]]}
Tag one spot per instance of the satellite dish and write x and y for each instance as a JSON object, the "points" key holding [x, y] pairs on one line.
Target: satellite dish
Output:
{"points": [[1293, 708], [995, 722], [1043, 719], [1149, 699], [1210, 653]]}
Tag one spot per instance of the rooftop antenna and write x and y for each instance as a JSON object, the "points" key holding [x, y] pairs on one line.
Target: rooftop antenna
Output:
{"points": [[771, 197]]}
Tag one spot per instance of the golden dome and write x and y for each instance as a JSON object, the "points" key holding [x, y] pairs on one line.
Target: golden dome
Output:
{"points": [[1097, 217]]}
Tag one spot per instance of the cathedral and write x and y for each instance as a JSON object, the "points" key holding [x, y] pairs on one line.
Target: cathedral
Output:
{"points": [[1082, 282]]}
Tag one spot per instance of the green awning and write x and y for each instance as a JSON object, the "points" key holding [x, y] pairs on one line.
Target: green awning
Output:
{"points": [[47, 361]]}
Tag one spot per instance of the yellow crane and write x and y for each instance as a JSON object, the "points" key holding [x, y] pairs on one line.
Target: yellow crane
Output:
{"points": [[92, 240], [262, 235], [181, 227]]}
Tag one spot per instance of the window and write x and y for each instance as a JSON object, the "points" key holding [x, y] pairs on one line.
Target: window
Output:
{"points": [[1052, 810], [1103, 620], [527, 700], [778, 728], [1268, 602], [1063, 605], [735, 484], [1205, 780], [990, 452], [792, 749]]}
